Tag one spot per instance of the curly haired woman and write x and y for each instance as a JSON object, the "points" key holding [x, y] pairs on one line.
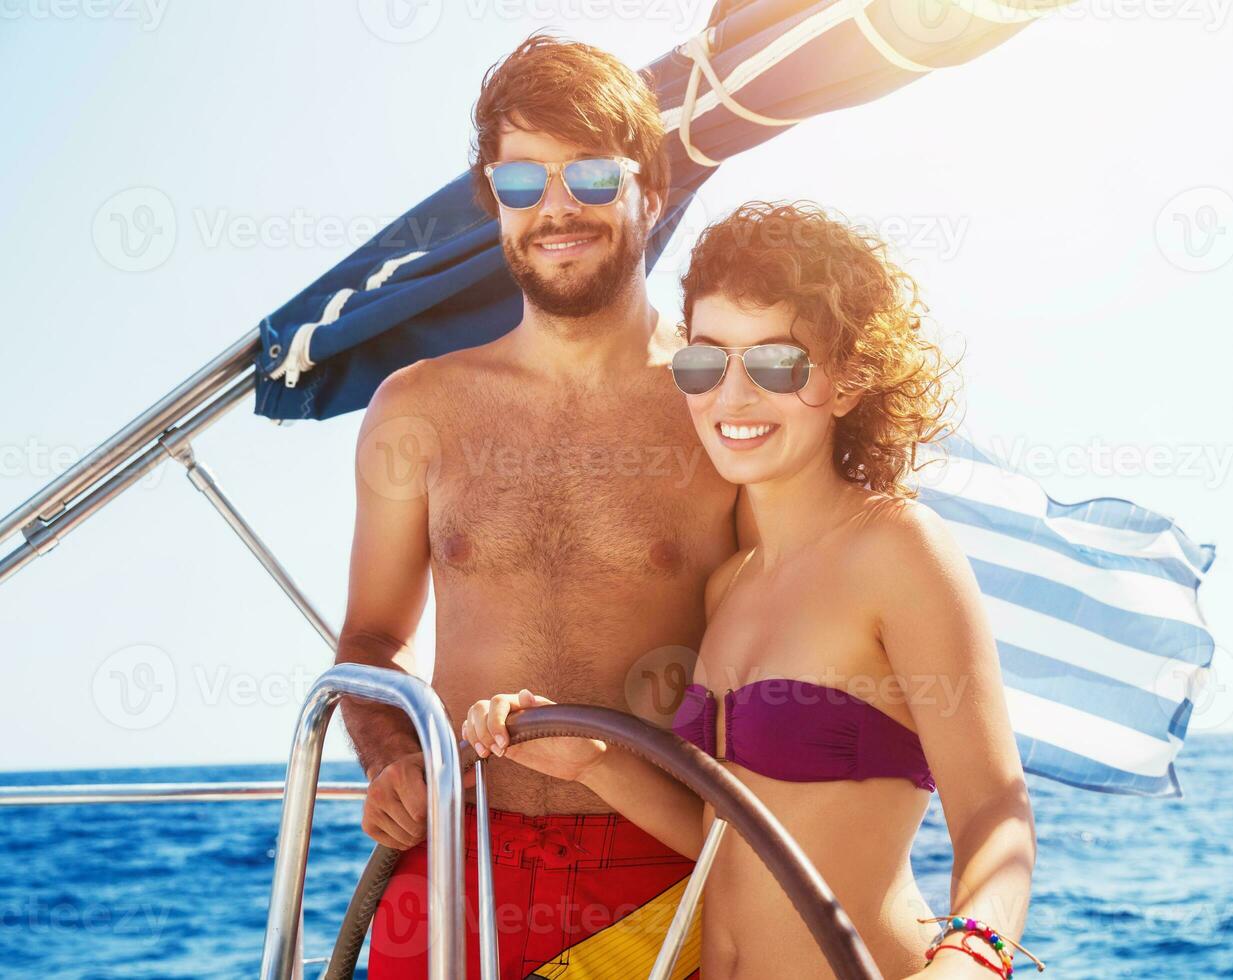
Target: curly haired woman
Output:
{"points": [[848, 670]]}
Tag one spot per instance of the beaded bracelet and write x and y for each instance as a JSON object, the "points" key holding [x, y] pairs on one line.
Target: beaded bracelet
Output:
{"points": [[1001, 971], [975, 927]]}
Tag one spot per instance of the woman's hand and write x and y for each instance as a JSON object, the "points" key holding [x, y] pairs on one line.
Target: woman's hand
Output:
{"points": [[562, 758]]}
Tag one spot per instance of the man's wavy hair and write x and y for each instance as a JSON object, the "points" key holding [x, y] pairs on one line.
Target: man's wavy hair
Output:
{"points": [[862, 315], [577, 93]]}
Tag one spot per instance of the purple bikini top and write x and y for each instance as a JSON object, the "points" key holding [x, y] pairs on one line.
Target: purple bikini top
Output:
{"points": [[802, 732]]}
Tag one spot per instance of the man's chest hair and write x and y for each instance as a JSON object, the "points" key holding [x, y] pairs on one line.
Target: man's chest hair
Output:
{"points": [[626, 489]]}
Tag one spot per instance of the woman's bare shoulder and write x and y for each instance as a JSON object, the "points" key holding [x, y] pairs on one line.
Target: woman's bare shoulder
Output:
{"points": [[902, 539]]}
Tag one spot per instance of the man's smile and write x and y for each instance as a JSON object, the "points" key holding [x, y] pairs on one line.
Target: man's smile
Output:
{"points": [[560, 247]]}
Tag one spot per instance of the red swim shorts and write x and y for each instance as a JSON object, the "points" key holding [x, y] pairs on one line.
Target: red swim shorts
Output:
{"points": [[578, 897]]}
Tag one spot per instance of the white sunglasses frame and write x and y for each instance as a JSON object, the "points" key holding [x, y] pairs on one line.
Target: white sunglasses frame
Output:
{"points": [[628, 166]]}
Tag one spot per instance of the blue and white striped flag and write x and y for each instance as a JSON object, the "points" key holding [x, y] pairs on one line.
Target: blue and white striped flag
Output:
{"points": [[1094, 607]]}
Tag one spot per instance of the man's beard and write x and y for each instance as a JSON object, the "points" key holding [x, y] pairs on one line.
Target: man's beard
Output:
{"points": [[568, 294]]}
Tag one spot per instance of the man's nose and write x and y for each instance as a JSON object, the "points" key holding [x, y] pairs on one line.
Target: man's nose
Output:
{"points": [[557, 200]]}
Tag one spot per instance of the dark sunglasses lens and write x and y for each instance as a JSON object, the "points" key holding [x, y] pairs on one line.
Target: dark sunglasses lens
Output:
{"points": [[594, 182], [698, 368], [519, 183], [780, 368]]}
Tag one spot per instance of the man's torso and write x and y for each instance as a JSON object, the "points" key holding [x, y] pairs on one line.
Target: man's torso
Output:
{"points": [[571, 536]]}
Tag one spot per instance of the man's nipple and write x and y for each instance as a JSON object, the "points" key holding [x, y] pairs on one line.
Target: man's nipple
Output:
{"points": [[457, 549], [666, 555]]}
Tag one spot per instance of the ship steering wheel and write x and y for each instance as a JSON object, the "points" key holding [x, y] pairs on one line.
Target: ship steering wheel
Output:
{"points": [[732, 801]]}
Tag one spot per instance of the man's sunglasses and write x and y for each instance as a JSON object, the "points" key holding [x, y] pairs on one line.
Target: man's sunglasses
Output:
{"points": [[592, 181], [778, 368]]}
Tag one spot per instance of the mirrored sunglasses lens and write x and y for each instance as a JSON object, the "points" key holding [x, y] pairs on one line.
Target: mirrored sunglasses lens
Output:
{"points": [[698, 369], [594, 182], [779, 368], [519, 184]]}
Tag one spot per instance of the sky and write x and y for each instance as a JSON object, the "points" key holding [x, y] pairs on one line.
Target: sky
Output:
{"points": [[1066, 203]]}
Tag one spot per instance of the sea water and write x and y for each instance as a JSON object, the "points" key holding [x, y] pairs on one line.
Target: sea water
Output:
{"points": [[1124, 886]]}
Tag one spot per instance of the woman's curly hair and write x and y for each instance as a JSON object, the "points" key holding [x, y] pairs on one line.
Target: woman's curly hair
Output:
{"points": [[862, 312]]}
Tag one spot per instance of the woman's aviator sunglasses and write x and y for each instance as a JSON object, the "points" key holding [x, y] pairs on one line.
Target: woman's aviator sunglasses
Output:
{"points": [[778, 368], [592, 181]]}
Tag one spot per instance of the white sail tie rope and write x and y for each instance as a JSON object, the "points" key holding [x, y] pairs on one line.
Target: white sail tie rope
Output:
{"points": [[698, 49], [297, 361]]}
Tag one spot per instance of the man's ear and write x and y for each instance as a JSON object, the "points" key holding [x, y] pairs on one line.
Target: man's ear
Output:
{"points": [[653, 206]]}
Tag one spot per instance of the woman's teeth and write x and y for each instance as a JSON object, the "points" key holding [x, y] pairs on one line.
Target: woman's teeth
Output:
{"points": [[743, 431]]}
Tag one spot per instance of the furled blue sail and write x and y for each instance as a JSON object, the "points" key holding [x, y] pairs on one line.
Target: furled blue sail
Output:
{"points": [[1094, 607]]}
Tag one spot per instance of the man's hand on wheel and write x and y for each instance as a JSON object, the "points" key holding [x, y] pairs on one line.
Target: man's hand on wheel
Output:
{"points": [[396, 807]]}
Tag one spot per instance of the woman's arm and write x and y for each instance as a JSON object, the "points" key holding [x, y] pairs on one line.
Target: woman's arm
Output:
{"points": [[932, 623], [667, 810]]}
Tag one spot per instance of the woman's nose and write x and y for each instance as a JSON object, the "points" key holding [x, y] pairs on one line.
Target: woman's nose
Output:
{"points": [[737, 390]]}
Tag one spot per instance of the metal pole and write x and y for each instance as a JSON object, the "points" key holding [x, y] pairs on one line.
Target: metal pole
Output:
{"points": [[185, 397], [74, 794], [203, 480], [41, 538], [490, 956], [446, 914], [678, 929]]}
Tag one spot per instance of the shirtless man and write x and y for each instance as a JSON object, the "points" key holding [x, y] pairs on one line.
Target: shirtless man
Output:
{"points": [[554, 485]]}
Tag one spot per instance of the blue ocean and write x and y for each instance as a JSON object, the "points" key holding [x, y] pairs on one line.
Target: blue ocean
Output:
{"points": [[1124, 886]]}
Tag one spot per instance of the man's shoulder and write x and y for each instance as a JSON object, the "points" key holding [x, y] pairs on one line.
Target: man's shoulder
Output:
{"points": [[435, 381]]}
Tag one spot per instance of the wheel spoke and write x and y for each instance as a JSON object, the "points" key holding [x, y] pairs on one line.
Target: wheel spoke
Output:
{"points": [[490, 961], [679, 927]]}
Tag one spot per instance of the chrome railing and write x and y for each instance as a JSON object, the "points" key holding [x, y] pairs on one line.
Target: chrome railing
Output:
{"points": [[50, 503], [75, 794], [443, 777], [162, 432]]}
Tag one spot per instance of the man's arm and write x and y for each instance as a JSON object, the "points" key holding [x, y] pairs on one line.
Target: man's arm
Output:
{"points": [[396, 454]]}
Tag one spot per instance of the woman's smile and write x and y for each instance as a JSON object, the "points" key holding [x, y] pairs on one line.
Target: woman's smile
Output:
{"points": [[745, 435]]}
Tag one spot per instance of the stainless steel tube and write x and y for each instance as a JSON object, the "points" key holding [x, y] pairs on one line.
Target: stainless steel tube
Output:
{"points": [[75, 794], [42, 537], [490, 958], [185, 397], [678, 929], [204, 480], [446, 918]]}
